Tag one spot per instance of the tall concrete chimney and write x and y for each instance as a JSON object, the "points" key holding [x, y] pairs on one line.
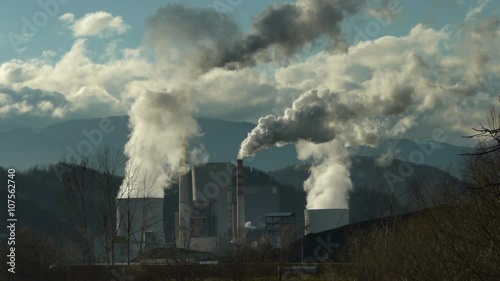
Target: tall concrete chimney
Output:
{"points": [[193, 183], [240, 201], [184, 210]]}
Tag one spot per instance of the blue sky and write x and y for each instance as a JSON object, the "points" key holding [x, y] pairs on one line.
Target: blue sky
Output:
{"points": [[134, 13], [54, 37]]}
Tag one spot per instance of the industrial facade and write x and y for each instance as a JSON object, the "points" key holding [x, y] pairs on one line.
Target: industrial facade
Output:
{"points": [[222, 208], [216, 209]]}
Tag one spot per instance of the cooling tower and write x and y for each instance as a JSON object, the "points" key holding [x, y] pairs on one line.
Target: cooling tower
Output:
{"points": [[240, 222], [318, 220], [140, 224]]}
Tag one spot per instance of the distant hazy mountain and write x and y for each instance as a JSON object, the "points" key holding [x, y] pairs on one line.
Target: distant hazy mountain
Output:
{"points": [[373, 184], [427, 152], [23, 148], [365, 172]]}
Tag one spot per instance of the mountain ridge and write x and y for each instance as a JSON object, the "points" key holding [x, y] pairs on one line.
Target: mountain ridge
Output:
{"points": [[23, 147]]}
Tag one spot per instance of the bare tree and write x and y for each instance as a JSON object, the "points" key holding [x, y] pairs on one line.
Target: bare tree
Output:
{"points": [[135, 217], [126, 210], [455, 238], [239, 251], [489, 136], [288, 234], [181, 261], [77, 181], [109, 163]]}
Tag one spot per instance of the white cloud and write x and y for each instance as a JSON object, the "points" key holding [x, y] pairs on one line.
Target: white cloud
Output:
{"points": [[45, 106], [444, 75], [48, 54], [100, 24], [442, 72], [30, 102], [68, 18], [88, 87], [477, 10]]}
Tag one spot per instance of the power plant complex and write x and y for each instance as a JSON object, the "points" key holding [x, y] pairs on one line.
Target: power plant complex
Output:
{"points": [[215, 209], [214, 214]]}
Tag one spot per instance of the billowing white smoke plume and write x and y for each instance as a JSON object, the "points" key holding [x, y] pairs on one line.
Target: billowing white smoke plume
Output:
{"points": [[161, 127], [162, 121], [189, 42], [323, 122], [320, 116], [199, 155], [312, 107], [380, 102], [330, 179]]}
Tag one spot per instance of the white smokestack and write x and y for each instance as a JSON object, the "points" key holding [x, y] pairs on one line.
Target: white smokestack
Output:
{"points": [[240, 200], [184, 209], [193, 183]]}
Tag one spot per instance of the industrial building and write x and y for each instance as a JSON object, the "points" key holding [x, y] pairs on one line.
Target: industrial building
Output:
{"points": [[281, 228], [218, 208], [318, 220], [215, 209], [206, 215]]}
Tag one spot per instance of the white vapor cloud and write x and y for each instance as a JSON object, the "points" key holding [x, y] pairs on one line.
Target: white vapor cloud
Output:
{"points": [[374, 90], [67, 18], [477, 10], [100, 24], [329, 182]]}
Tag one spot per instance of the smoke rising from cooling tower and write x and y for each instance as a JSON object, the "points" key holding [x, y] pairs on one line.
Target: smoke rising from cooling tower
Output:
{"points": [[189, 42], [330, 179], [323, 122], [162, 121], [162, 125]]}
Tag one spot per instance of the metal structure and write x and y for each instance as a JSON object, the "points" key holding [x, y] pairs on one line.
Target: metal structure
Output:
{"points": [[279, 225]]}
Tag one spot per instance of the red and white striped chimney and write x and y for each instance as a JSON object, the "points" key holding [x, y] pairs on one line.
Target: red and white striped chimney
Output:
{"points": [[240, 199]]}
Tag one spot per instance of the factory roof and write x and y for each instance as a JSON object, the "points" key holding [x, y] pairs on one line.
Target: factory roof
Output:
{"points": [[281, 214]]}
